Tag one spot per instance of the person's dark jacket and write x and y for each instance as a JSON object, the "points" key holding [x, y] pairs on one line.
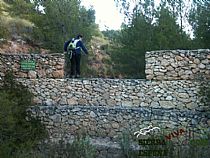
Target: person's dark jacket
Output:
{"points": [[80, 46]]}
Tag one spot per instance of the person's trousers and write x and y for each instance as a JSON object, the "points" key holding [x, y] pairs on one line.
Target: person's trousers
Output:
{"points": [[67, 66], [75, 64]]}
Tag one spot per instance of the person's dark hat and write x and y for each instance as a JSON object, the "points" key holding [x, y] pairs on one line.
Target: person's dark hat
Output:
{"points": [[79, 36]]}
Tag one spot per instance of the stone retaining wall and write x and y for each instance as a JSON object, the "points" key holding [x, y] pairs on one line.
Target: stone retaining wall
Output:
{"points": [[177, 64], [180, 94], [105, 107], [160, 65], [64, 121], [47, 65]]}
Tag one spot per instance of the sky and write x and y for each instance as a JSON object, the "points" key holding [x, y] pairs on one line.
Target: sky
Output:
{"points": [[107, 14]]}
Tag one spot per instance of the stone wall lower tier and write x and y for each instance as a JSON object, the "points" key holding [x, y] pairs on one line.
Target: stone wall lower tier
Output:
{"points": [[65, 121], [177, 64], [46, 65]]}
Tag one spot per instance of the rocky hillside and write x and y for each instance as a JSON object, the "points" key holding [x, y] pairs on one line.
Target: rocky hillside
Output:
{"points": [[99, 60], [19, 46]]}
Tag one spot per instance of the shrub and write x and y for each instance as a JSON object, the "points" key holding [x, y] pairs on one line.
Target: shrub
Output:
{"points": [[18, 130], [79, 148], [173, 150], [125, 144]]}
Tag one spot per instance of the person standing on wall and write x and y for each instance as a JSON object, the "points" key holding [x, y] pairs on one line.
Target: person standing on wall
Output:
{"points": [[74, 50]]}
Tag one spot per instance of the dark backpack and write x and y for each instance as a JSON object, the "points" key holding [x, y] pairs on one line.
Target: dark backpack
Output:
{"points": [[66, 45]]}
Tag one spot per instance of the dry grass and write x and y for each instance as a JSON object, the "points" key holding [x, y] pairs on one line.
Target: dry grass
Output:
{"points": [[11, 25]]}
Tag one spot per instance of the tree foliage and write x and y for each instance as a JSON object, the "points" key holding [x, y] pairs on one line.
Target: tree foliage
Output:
{"points": [[150, 27], [53, 21], [168, 34], [200, 21], [61, 20]]}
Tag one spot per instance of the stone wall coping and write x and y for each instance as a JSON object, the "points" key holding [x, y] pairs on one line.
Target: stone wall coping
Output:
{"points": [[21, 54], [178, 51], [115, 79]]}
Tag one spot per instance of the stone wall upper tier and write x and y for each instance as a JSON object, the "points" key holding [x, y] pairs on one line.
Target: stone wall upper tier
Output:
{"points": [[177, 64], [46, 65], [160, 65], [116, 92]]}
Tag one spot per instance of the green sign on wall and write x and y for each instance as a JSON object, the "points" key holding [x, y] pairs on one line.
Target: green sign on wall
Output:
{"points": [[28, 65]]}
